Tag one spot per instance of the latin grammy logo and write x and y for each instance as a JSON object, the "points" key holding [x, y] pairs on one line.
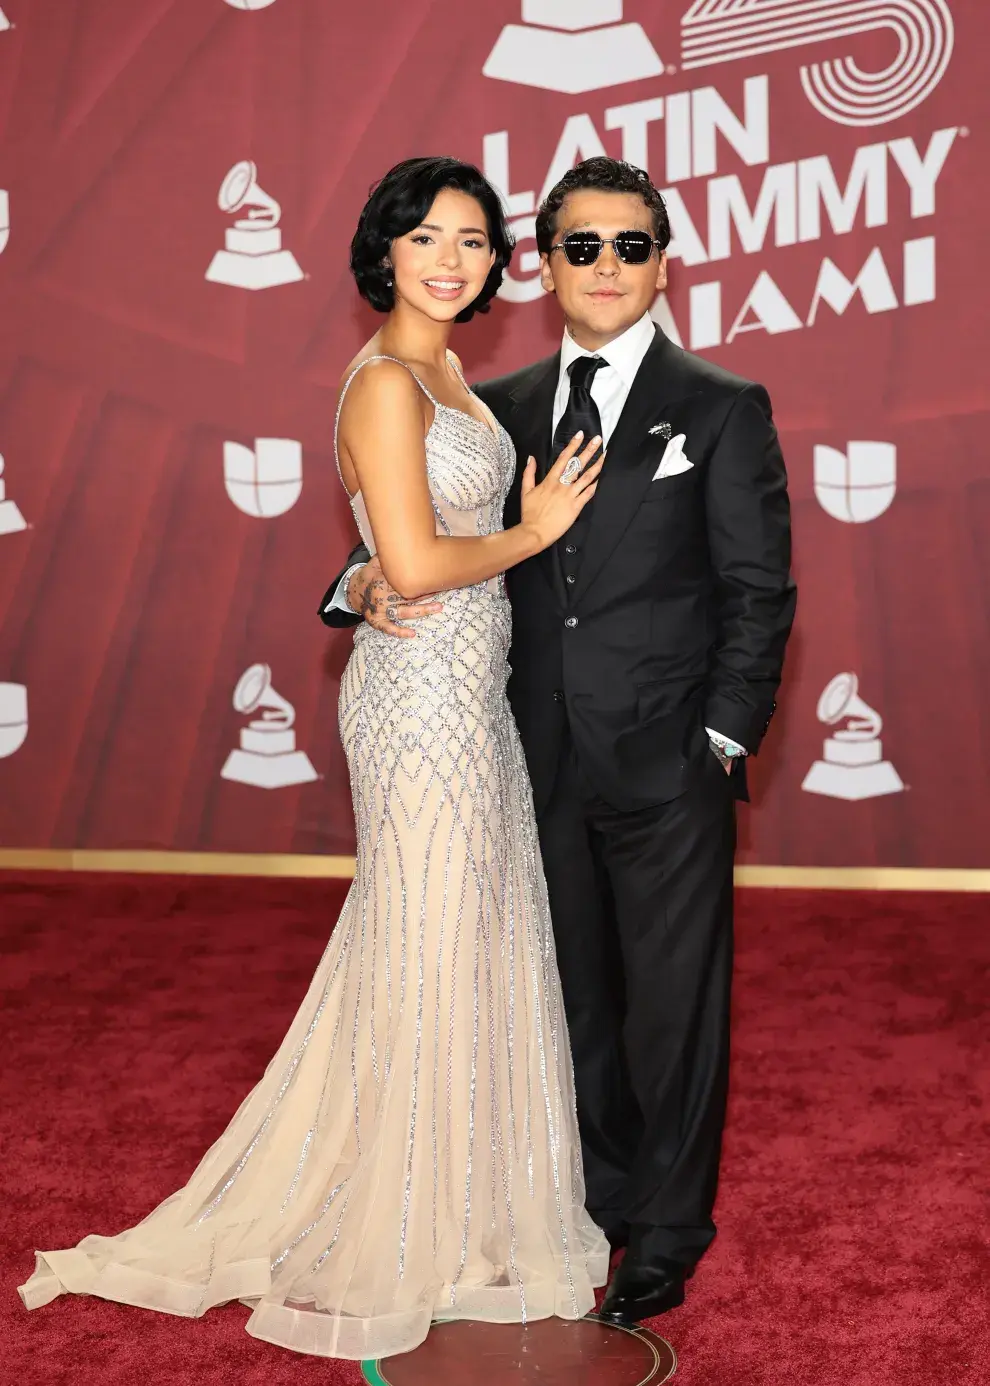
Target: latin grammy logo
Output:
{"points": [[722, 31], [572, 46], [267, 757], [253, 257], [265, 480], [856, 485], [13, 718], [852, 766], [4, 215], [11, 519]]}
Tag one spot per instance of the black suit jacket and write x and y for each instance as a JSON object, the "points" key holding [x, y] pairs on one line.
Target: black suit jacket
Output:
{"points": [[683, 600]]}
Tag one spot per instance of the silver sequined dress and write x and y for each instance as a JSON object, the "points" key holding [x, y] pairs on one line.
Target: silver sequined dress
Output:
{"points": [[411, 1153]]}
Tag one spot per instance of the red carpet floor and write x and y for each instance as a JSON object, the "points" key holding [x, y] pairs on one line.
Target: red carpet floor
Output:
{"points": [[853, 1208]]}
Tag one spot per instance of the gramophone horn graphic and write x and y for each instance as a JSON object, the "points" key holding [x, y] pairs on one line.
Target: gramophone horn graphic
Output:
{"points": [[250, 4], [852, 766], [4, 212], [267, 757], [4, 22], [253, 257]]}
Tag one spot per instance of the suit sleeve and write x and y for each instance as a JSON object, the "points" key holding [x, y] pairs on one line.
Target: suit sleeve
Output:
{"points": [[332, 615], [749, 540]]}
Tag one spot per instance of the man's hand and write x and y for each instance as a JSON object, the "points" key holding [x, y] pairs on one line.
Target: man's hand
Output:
{"points": [[370, 595]]}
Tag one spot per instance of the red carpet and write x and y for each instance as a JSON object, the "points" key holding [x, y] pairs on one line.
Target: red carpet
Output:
{"points": [[853, 1209]]}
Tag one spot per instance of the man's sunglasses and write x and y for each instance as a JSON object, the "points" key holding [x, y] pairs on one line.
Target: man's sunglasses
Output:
{"points": [[584, 247]]}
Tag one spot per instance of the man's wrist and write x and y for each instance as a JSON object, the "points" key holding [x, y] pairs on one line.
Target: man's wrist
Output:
{"points": [[729, 748], [724, 748], [345, 587]]}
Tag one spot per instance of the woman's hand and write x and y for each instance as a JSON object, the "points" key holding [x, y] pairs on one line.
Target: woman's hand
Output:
{"points": [[370, 595], [549, 510]]}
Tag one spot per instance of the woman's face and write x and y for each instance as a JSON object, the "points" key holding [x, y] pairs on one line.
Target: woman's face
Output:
{"points": [[441, 266]]}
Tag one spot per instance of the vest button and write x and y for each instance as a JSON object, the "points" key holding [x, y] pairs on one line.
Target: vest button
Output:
{"points": [[571, 577], [558, 695], [570, 548], [571, 622]]}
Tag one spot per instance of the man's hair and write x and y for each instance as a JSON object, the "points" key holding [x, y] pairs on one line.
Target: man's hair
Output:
{"points": [[397, 205], [603, 175]]}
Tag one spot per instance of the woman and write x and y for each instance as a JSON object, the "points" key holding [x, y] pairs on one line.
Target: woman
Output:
{"points": [[411, 1153]]}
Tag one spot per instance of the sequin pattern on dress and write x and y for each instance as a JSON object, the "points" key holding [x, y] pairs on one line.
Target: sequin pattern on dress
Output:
{"points": [[411, 1153]]}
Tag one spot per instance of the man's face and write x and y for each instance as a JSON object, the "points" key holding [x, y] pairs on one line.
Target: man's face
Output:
{"points": [[601, 300]]}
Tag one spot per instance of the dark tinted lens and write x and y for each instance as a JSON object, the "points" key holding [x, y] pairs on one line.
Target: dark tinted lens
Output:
{"points": [[582, 247], [634, 247]]}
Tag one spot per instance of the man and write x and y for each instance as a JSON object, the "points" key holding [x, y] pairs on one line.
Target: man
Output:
{"points": [[647, 650]]}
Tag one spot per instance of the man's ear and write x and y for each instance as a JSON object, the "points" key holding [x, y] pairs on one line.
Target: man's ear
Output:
{"points": [[546, 274], [662, 272]]}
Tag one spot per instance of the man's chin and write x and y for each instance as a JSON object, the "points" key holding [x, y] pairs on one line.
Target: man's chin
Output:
{"points": [[611, 316]]}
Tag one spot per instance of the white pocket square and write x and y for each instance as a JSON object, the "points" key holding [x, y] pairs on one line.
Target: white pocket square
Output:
{"points": [[673, 460]]}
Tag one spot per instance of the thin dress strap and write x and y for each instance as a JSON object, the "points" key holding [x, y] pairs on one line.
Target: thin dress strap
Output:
{"points": [[347, 385]]}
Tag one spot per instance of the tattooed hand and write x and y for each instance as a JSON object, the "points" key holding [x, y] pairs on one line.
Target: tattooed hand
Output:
{"points": [[369, 594]]}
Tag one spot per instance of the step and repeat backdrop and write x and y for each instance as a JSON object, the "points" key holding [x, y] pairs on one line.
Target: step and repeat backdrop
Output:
{"points": [[179, 182]]}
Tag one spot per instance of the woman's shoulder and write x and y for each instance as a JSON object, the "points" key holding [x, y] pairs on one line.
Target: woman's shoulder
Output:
{"points": [[382, 380]]}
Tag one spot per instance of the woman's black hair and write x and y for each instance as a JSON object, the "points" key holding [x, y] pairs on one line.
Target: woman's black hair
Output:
{"points": [[399, 202], [603, 175]]}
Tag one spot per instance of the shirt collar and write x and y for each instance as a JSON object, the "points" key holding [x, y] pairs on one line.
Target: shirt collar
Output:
{"points": [[624, 354]]}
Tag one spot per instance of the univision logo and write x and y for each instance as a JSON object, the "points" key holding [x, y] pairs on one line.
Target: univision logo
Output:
{"points": [[266, 480], [856, 485]]}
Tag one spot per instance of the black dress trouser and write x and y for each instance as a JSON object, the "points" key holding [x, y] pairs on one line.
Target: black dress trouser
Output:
{"points": [[641, 904]]}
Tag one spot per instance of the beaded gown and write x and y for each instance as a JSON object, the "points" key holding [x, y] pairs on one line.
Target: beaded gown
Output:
{"points": [[411, 1153]]}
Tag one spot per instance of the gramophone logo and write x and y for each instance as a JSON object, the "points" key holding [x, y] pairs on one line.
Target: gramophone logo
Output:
{"points": [[267, 757], [572, 46], [253, 257], [250, 4], [13, 718], [4, 217], [583, 45], [856, 485], [265, 480], [4, 22], [11, 519], [852, 764]]}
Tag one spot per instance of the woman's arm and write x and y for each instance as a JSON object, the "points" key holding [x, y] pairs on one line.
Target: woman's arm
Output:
{"points": [[381, 428]]}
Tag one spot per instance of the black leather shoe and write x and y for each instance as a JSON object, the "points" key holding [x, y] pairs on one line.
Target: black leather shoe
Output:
{"points": [[641, 1289]]}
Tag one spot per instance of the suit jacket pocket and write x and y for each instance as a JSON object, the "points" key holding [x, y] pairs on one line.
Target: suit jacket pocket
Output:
{"points": [[664, 697], [665, 487]]}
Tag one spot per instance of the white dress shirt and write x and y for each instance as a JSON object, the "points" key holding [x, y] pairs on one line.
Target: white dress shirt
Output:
{"points": [[613, 381]]}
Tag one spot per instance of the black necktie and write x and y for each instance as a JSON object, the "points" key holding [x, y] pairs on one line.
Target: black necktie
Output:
{"points": [[581, 411]]}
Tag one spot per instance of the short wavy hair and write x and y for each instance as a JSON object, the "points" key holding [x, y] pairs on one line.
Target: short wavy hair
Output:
{"points": [[399, 202], [603, 175]]}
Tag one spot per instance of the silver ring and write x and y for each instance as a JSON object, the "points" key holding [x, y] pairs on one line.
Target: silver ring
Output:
{"points": [[571, 472]]}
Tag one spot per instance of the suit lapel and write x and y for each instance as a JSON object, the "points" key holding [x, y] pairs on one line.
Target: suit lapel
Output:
{"points": [[631, 458], [532, 431]]}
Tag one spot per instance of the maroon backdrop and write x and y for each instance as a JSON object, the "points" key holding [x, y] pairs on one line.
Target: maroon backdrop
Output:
{"points": [[827, 167]]}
